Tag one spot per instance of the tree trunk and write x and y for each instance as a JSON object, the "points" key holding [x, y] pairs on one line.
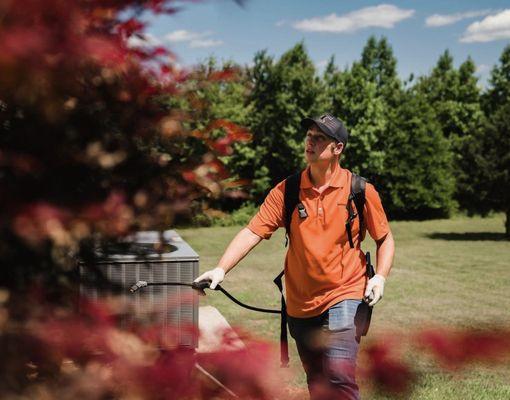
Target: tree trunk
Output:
{"points": [[507, 224]]}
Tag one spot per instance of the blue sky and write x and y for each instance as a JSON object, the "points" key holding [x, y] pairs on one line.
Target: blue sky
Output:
{"points": [[419, 31]]}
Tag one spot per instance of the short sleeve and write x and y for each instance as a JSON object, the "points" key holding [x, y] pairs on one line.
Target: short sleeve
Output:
{"points": [[270, 215], [375, 217]]}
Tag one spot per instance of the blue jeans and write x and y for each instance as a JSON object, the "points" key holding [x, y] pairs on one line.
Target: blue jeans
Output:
{"points": [[328, 345]]}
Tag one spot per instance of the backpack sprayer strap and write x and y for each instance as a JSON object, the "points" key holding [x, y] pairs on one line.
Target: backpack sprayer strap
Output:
{"points": [[284, 345], [350, 219], [291, 200], [357, 196]]}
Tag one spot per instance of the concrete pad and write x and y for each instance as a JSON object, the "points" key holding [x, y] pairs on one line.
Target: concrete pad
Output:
{"points": [[216, 334]]}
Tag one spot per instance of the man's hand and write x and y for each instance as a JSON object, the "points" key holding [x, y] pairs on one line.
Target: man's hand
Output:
{"points": [[215, 275], [375, 289]]}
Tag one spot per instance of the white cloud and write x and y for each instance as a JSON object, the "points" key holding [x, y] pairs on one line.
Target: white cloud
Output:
{"points": [[448, 19], [148, 40], [202, 43], [381, 16], [493, 27], [195, 40], [280, 23], [185, 36]]}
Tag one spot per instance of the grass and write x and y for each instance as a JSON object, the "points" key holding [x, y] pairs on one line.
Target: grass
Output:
{"points": [[452, 273]]}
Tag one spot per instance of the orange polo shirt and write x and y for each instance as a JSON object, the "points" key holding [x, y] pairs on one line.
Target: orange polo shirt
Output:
{"points": [[321, 269]]}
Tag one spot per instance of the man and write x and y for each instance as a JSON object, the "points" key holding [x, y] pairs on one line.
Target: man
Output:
{"points": [[325, 278]]}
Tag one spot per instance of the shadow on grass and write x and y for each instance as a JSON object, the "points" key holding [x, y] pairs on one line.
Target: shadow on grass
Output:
{"points": [[467, 236]]}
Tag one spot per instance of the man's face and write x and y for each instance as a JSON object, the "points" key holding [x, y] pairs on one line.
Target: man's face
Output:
{"points": [[320, 147]]}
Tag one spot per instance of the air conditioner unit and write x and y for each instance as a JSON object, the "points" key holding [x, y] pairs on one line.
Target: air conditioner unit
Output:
{"points": [[172, 308]]}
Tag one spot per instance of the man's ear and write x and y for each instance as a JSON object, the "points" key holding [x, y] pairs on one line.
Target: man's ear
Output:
{"points": [[338, 149]]}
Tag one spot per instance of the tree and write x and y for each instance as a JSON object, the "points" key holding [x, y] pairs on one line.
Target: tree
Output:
{"points": [[214, 93], [328, 86], [455, 98], [496, 157], [371, 97], [217, 92], [467, 138], [248, 160], [356, 102], [498, 93], [282, 93], [454, 95], [378, 59], [418, 167], [494, 153]]}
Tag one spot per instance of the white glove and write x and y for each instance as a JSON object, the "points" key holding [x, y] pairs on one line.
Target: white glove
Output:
{"points": [[215, 275], [375, 289]]}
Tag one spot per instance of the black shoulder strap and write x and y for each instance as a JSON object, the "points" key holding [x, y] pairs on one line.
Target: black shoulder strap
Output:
{"points": [[291, 200], [357, 195]]}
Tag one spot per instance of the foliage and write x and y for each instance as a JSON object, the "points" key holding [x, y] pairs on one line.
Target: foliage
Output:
{"points": [[281, 94], [355, 100], [90, 148], [418, 171], [495, 159], [493, 148], [86, 356], [270, 98], [455, 98], [378, 60], [215, 217]]}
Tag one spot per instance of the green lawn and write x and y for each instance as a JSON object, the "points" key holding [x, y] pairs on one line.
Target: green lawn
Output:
{"points": [[451, 273]]}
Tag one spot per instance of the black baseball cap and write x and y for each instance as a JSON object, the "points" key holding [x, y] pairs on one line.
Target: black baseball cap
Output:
{"points": [[329, 125]]}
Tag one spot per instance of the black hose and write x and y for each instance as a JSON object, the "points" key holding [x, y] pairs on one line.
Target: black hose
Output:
{"points": [[201, 286], [264, 310]]}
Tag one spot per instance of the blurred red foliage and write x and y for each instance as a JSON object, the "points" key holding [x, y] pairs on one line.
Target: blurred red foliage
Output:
{"points": [[387, 370], [455, 349], [92, 142], [93, 146], [62, 351]]}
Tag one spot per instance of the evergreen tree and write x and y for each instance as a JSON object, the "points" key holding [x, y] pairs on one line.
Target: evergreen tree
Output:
{"points": [[356, 102], [495, 149], [455, 98], [282, 93], [247, 159], [496, 159], [379, 61], [499, 90], [366, 97], [418, 179], [467, 138], [328, 86]]}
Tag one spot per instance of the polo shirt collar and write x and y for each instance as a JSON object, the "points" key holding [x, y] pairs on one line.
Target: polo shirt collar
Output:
{"points": [[338, 179]]}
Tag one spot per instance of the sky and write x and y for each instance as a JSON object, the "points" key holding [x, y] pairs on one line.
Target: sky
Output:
{"points": [[418, 31]]}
